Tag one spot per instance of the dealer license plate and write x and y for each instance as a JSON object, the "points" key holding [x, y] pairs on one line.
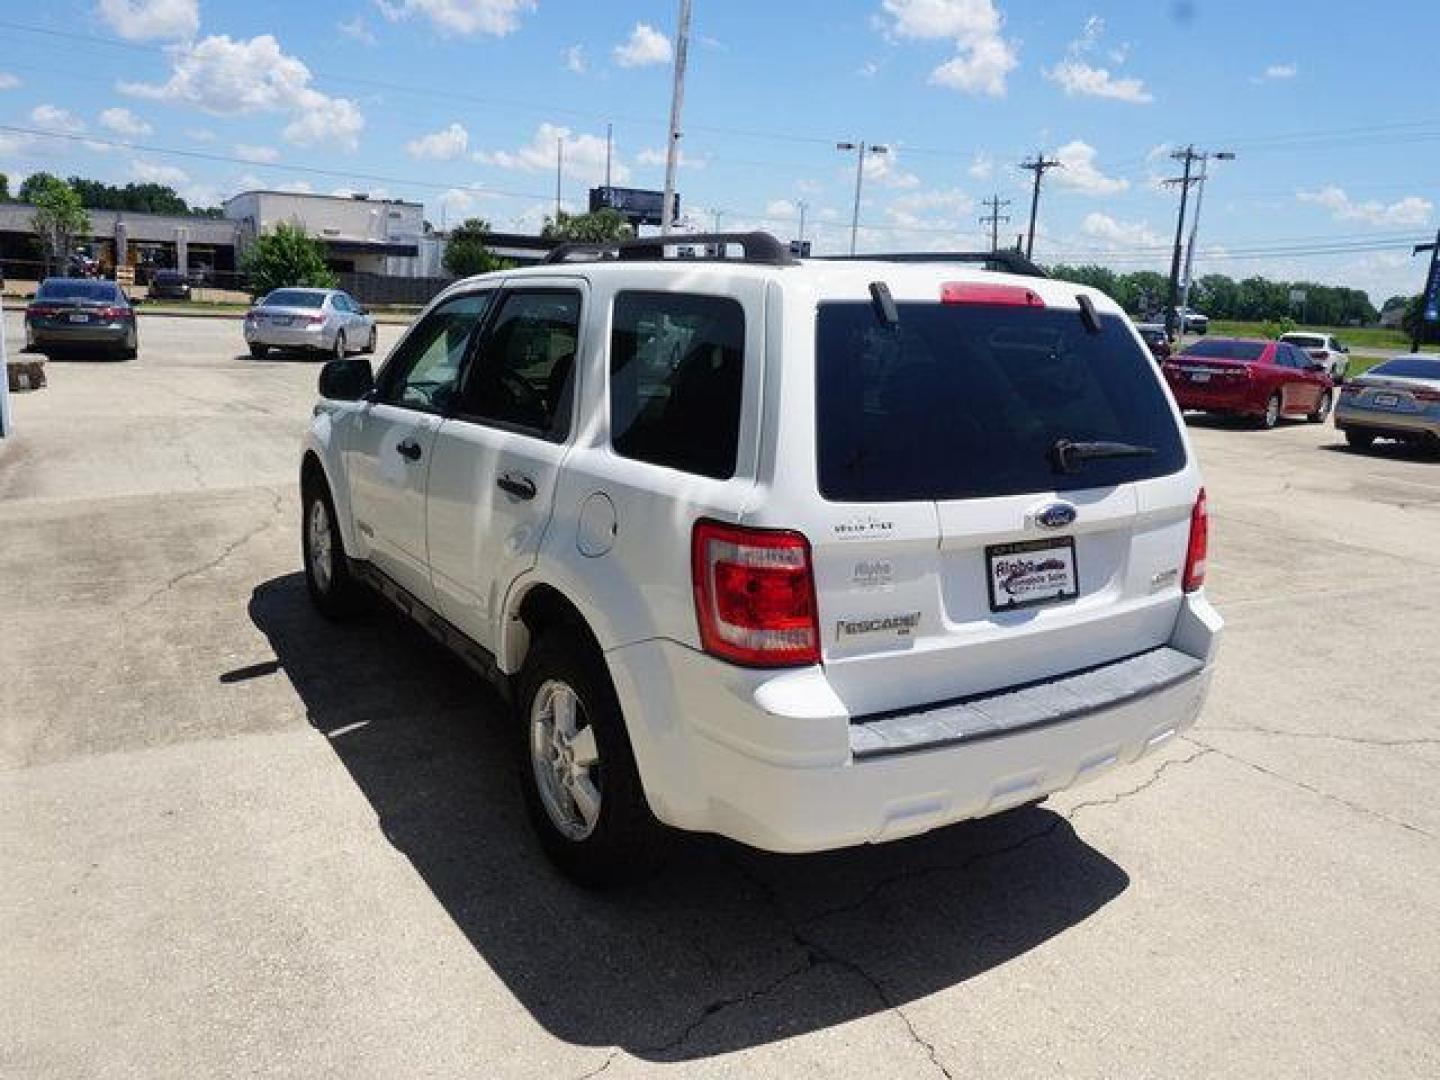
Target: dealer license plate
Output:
{"points": [[1031, 572]]}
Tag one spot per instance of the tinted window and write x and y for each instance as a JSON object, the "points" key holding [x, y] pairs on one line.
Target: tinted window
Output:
{"points": [[79, 290], [294, 298], [968, 402], [523, 374], [1305, 341], [1408, 367], [1223, 349], [423, 372], [677, 365], [168, 277]]}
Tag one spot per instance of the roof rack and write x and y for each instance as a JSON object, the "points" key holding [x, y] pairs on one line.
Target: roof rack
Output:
{"points": [[758, 247], [1006, 260]]}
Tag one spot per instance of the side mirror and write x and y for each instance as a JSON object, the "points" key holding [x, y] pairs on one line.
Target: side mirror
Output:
{"points": [[346, 380]]}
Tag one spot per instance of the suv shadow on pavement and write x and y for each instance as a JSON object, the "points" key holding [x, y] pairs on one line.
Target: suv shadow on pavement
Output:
{"points": [[727, 948]]}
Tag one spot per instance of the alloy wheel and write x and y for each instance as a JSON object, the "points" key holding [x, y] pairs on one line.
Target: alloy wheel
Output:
{"points": [[565, 759]]}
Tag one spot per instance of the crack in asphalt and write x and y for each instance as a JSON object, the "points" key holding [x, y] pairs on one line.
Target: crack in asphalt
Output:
{"points": [[609, 1060], [210, 564], [1359, 808], [1359, 740], [814, 954]]}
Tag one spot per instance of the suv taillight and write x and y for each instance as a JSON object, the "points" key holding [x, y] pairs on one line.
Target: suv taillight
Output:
{"points": [[1199, 545], [754, 595]]}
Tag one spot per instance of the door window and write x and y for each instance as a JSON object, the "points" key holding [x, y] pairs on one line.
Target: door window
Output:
{"points": [[523, 375], [677, 365], [424, 371]]}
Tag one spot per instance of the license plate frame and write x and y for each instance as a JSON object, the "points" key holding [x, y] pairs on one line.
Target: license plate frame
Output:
{"points": [[1200, 376], [1386, 401], [1059, 582], [78, 317]]}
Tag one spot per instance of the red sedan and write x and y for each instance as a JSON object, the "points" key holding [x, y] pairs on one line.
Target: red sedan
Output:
{"points": [[1261, 379]]}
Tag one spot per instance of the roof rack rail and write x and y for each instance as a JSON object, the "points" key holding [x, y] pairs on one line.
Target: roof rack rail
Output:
{"points": [[758, 247], [1006, 260]]}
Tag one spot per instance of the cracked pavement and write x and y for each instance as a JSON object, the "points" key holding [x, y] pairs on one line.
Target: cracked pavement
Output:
{"points": [[235, 840]]}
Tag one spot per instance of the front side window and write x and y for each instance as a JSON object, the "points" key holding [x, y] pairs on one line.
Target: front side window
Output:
{"points": [[677, 366], [424, 371], [522, 377]]}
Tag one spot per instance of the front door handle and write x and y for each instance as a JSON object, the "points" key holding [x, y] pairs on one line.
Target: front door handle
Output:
{"points": [[522, 487], [409, 449]]}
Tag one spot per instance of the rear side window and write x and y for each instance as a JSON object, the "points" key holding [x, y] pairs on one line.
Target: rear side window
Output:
{"points": [[959, 402], [677, 365], [1405, 367], [1227, 350]]}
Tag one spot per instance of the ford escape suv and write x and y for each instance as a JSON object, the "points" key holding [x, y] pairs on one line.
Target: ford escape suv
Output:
{"points": [[807, 553]]}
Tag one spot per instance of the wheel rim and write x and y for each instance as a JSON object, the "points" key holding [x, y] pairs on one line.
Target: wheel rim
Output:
{"points": [[1272, 412], [317, 533], [1324, 408], [374, 338], [565, 759], [339, 346]]}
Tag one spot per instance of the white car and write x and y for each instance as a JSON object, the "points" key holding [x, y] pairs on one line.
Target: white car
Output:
{"points": [[313, 320], [1324, 349], [808, 554]]}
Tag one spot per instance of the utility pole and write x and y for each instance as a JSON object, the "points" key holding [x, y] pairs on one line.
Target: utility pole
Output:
{"points": [[1430, 295], [860, 149], [677, 101], [559, 175], [609, 142], [994, 218], [1222, 155], [802, 206], [1039, 167], [1173, 323]]}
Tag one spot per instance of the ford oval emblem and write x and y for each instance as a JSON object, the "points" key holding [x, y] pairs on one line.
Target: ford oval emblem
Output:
{"points": [[1055, 516]]}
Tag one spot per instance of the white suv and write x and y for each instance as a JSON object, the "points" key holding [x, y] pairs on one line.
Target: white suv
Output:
{"points": [[1324, 349], [805, 553]]}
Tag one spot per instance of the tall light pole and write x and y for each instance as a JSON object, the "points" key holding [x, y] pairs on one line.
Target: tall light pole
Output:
{"points": [[677, 101], [559, 175], [1174, 321], [802, 206], [861, 149], [1221, 155]]}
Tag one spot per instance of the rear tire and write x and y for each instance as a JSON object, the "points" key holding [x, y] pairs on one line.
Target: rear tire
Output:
{"points": [[374, 342], [338, 353], [577, 770], [334, 591], [259, 352], [1271, 416], [1322, 408], [1360, 440]]}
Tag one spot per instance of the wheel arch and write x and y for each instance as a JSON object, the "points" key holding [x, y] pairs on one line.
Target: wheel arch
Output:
{"points": [[533, 608]]}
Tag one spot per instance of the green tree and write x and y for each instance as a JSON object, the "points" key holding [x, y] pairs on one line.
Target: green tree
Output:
{"points": [[599, 227], [466, 252], [286, 257], [34, 184], [59, 218], [4, 188], [1097, 277]]}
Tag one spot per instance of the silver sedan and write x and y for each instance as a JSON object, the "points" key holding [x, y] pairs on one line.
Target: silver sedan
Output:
{"points": [[322, 320], [1396, 399]]}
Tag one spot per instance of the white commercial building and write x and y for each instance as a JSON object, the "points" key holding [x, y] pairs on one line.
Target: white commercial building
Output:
{"points": [[361, 234]]}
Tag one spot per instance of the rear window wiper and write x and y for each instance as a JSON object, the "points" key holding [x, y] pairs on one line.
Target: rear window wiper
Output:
{"points": [[1068, 455]]}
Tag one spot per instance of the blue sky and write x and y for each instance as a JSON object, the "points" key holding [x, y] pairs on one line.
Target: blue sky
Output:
{"points": [[459, 103]]}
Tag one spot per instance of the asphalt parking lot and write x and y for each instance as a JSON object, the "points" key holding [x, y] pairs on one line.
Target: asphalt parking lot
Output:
{"points": [[236, 840]]}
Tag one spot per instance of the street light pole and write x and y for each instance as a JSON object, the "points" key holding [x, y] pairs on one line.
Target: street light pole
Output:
{"points": [[860, 148], [802, 206], [1174, 323], [677, 101], [559, 175]]}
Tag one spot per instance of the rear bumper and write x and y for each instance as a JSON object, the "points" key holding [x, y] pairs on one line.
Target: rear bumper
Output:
{"points": [[61, 335], [1387, 420], [288, 337], [773, 761], [1237, 399]]}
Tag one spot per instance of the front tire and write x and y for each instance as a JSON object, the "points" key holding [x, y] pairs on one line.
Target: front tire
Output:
{"points": [[1360, 440], [374, 342], [338, 352], [1322, 408], [334, 591], [259, 352], [577, 770]]}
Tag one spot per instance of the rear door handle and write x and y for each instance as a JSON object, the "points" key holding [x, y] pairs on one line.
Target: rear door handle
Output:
{"points": [[409, 449], [522, 487]]}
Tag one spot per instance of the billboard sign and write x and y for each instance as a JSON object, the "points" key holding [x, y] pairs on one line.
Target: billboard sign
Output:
{"points": [[637, 206]]}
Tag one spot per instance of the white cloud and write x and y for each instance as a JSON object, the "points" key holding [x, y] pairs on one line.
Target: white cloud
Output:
{"points": [[204, 135], [655, 155], [868, 69], [982, 166], [54, 118], [1119, 234], [260, 154], [575, 59], [148, 172], [1411, 210], [781, 210], [983, 57], [930, 209], [460, 203], [8, 81], [144, 20], [1080, 79], [643, 47], [584, 155], [1281, 71], [357, 28], [124, 122], [231, 78], [494, 17], [1081, 173], [444, 145], [885, 170]]}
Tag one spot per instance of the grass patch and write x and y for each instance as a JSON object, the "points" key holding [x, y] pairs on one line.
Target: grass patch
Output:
{"points": [[1362, 337]]}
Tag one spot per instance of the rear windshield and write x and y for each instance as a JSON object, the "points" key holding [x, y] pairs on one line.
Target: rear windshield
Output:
{"points": [[1227, 350], [968, 402], [78, 290], [1408, 367], [1305, 341], [294, 298]]}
